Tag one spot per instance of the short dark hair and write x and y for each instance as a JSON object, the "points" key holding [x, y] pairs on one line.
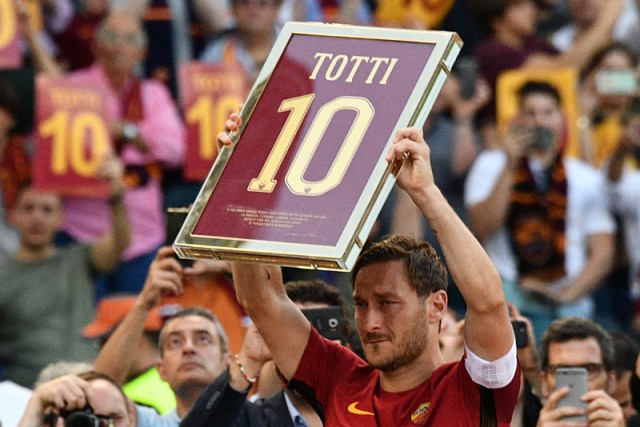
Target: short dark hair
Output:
{"points": [[577, 328], [320, 292], [616, 46], [200, 312], [426, 271], [535, 87], [626, 351], [485, 12]]}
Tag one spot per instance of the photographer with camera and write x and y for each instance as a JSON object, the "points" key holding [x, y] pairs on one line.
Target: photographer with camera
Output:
{"points": [[542, 217], [85, 400]]}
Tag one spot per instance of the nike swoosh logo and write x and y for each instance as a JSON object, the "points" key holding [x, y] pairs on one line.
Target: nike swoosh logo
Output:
{"points": [[352, 408]]}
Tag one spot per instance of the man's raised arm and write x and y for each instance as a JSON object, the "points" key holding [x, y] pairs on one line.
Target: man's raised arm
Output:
{"points": [[488, 331], [282, 325]]}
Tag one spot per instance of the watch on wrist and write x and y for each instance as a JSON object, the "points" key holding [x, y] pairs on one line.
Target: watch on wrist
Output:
{"points": [[130, 131]]}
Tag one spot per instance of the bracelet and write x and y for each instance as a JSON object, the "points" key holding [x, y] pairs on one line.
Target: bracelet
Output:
{"points": [[246, 376]]}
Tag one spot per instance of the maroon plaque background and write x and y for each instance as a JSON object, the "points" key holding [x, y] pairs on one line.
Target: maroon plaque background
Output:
{"points": [[283, 216]]}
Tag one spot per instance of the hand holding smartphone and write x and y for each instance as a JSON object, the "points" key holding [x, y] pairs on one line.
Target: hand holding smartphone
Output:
{"points": [[576, 379]]}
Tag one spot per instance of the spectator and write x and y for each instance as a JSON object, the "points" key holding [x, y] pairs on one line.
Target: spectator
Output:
{"points": [[248, 43], [76, 41], [72, 393], [604, 108], [626, 353], [14, 167], [231, 388], [142, 382], [177, 31], [577, 342], [542, 218], [528, 407], [400, 299], [624, 184], [584, 14], [193, 344], [148, 136], [13, 402], [47, 293], [511, 42]]}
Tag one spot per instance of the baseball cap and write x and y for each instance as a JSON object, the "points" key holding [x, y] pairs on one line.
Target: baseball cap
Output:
{"points": [[111, 311]]}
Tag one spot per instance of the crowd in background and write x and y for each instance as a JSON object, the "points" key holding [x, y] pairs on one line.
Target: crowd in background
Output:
{"points": [[551, 192]]}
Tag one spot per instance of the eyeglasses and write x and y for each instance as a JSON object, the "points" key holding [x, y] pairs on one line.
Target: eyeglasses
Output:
{"points": [[593, 369]]}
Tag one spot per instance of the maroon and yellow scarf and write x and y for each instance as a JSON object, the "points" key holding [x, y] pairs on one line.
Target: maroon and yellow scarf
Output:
{"points": [[536, 222]]}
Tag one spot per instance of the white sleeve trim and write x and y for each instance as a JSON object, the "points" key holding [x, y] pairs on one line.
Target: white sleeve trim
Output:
{"points": [[496, 374]]}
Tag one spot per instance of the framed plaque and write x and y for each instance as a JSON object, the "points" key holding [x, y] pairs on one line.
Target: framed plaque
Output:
{"points": [[305, 178]]}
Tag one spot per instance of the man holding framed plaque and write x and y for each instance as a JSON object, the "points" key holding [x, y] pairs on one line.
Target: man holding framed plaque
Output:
{"points": [[399, 293]]}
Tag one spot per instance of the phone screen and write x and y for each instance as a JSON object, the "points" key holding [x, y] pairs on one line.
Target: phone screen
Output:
{"points": [[616, 82], [576, 379]]}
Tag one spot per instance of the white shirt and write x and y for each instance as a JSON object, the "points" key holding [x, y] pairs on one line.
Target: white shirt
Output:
{"points": [[587, 212], [13, 402]]}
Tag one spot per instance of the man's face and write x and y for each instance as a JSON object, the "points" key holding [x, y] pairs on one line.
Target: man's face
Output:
{"points": [[255, 16], [119, 47], [576, 353], [191, 353], [37, 216], [539, 109], [108, 403], [622, 393], [391, 319], [519, 18]]}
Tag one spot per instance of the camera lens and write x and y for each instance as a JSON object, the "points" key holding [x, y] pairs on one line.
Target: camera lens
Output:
{"points": [[541, 138], [81, 419]]}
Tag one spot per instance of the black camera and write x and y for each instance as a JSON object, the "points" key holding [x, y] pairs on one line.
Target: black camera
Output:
{"points": [[542, 138], [327, 321], [79, 418]]}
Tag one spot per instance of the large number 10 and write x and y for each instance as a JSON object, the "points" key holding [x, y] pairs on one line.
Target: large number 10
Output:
{"points": [[299, 106], [7, 22], [71, 150]]}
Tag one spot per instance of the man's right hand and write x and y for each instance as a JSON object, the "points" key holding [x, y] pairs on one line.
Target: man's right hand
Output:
{"points": [[552, 415], [65, 393], [252, 357], [164, 278], [232, 124]]}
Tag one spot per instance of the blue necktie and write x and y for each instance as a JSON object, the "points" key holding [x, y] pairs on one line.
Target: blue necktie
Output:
{"points": [[299, 421]]}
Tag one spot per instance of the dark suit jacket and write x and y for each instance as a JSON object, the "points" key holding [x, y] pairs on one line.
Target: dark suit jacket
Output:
{"points": [[221, 406]]}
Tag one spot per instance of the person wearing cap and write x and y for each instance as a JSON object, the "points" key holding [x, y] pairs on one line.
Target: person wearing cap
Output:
{"points": [[193, 344], [143, 384]]}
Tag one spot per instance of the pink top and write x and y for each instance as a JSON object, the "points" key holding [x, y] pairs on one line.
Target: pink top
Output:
{"points": [[86, 219]]}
